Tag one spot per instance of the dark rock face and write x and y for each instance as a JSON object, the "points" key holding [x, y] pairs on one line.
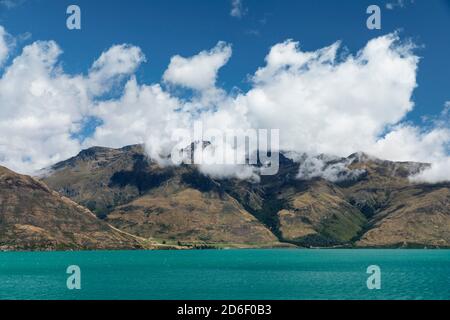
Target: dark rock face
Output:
{"points": [[139, 177]]}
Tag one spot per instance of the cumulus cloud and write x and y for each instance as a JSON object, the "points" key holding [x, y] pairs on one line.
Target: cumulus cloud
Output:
{"points": [[331, 105], [200, 71], [237, 9], [428, 144], [118, 62], [407, 142], [43, 108], [323, 102], [143, 114], [328, 104], [439, 172]]}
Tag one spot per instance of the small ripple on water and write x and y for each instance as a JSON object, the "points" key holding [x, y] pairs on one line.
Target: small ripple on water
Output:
{"points": [[234, 274]]}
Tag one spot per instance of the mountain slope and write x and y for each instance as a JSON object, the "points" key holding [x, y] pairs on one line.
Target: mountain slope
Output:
{"points": [[371, 203], [414, 217], [190, 216], [33, 217], [320, 216], [399, 213], [169, 204], [102, 178]]}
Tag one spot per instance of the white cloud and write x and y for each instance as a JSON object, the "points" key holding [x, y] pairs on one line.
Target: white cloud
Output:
{"points": [[326, 167], [237, 9], [200, 71], [439, 172], [42, 107], [144, 114], [430, 144], [119, 61], [326, 105], [334, 106], [243, 172], [407, 142], [39, 109], [4, 45], [323, 102]]}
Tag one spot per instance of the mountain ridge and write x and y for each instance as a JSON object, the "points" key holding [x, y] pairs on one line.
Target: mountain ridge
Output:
{"points": [[105, 198], [313, 212]]}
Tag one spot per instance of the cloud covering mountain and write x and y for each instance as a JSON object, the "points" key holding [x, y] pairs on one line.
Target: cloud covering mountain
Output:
{"points": [[324, 101]]}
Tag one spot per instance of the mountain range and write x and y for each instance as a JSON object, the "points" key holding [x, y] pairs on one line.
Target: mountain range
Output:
{"points": [[107, 198]]}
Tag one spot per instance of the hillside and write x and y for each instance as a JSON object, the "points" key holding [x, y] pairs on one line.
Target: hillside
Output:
{"points": [[33, 217], [377, 208]]}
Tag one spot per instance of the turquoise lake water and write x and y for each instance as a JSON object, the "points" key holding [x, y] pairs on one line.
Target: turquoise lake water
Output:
{"points": [[227, 274]]}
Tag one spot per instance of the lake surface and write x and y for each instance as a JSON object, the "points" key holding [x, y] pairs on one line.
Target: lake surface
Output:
{"points": [[227, 274]]}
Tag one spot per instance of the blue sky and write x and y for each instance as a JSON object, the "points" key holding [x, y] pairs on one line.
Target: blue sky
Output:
{"points": [[163, 28], [205, 62]]}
